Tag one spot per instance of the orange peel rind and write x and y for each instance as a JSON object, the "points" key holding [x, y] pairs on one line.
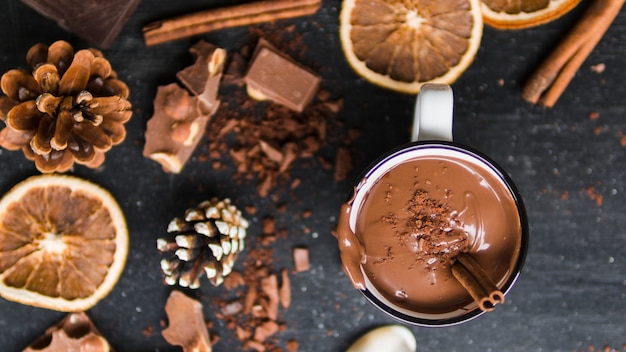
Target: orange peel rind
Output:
{"points": [[523, 13]]}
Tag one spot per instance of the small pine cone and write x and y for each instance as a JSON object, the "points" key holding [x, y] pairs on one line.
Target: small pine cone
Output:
{"points": [[70, 108], [205, 242]]}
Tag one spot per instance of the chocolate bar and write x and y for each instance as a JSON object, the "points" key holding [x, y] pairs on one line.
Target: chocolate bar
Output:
{"points": [[96, 21], [274, 76]]}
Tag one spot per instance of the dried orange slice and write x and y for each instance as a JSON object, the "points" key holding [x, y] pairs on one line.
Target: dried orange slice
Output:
{"points": [[63, 243], [519, 14], [401, 45]]}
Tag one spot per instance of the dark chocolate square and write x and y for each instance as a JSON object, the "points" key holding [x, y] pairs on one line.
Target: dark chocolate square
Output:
{"points": [[97, 21]]}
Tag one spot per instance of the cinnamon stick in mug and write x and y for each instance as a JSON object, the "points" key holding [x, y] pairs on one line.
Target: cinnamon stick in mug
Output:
{"points": [[477, 283]]}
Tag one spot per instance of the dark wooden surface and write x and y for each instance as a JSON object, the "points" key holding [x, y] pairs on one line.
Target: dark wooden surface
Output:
{"points": [[572, 292]]}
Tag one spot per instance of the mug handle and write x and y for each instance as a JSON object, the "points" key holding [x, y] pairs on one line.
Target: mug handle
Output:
{"points": [[432, 119]]}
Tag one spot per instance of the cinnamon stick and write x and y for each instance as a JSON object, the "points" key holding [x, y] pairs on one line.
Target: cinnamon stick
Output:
{"points": [[477, 283], [483, 279], [226, 17], [472, 286], [549, 81]]}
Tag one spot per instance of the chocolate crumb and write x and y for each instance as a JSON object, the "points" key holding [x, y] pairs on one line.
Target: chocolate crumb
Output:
{"points": [[233, 280], [292, 346], [269, 226], [593, 195], [147, 331], [250, 209], [598, 130], [269, 285], [265, 330], [301, 259], [343, 163], [281, 208], [284, 293]]}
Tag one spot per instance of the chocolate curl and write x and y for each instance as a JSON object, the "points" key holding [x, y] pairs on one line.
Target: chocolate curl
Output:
{"points": [[477, 283]]}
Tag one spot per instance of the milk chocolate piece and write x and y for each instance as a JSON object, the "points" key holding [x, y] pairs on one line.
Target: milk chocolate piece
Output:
{"points": [[94, 20], [276, 77], [179, 119], [187, 327], [175, 129], [208, 64], [75, 333]]}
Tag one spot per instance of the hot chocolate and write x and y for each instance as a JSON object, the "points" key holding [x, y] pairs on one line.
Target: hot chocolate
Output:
{"points": [[413, 214]]}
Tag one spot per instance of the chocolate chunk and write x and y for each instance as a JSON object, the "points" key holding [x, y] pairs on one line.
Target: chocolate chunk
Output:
{"points": [[75, 332], [180, 119], [96, 21], [175, 129], [186, 324], [274, 76], [235, 70], [208, 66]]}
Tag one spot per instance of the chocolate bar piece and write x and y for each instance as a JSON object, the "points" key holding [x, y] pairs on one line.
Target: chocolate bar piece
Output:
{"points": [[180, 118], [274, 76], [187, 327], [75, 332], [97, 21]]}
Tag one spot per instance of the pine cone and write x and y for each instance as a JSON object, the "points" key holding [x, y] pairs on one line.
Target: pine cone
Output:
{"points": [[205, 242], [70, 108]]}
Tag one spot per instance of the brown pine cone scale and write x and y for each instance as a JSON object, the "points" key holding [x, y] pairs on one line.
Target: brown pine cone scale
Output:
{"points": [[70, 109], [204, 242]]}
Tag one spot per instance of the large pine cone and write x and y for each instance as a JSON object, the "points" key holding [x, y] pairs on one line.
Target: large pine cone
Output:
{"points": [[205, 242], [70, 108]]}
